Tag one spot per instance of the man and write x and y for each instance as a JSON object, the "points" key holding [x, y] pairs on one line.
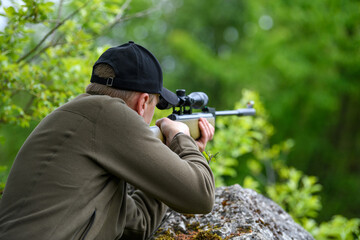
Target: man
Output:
{"points": [[69, 179]]}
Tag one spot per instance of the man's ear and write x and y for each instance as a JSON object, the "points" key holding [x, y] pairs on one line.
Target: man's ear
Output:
{"points": [[141, 103]]}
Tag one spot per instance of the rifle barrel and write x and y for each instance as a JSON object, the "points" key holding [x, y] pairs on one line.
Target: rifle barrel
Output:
{"points": [[237, 112]]}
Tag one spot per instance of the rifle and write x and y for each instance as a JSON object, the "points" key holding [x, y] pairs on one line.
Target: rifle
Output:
{"points": [[183, 112]]}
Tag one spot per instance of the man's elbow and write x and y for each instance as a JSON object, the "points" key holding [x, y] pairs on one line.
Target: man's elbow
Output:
{"points": [[202, 204], [206, 199], [206, 206]]}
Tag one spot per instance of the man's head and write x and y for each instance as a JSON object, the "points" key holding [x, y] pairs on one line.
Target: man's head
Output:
{"points": [[143, 103], [132, 73]]}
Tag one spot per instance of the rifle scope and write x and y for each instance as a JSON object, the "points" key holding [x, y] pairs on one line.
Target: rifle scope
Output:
{"points": [[195, 100]]}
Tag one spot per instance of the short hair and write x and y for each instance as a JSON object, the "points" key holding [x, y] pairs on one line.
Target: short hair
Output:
{"points": [[104, 70]]}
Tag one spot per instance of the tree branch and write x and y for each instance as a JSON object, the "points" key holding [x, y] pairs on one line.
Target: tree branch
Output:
{"points": [[53, 43], [60, 10], [119, 19], [59, 15], [141, 14], [51, 32]]}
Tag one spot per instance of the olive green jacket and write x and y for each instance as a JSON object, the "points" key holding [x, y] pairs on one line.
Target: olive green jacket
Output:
{"points": [[69, 179]]}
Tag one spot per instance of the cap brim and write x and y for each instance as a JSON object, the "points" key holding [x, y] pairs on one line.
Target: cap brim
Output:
{"points": [[169, 96]]}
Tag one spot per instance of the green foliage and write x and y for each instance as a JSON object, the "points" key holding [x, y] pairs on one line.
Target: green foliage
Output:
{"points": [[296, 193], [301, 57], [3, 177], [47, 52], [338, 228], [245, 155], [249, 151], [37, 77]]}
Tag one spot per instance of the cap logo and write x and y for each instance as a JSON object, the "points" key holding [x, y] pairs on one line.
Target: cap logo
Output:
{"points": [[109, 81]]}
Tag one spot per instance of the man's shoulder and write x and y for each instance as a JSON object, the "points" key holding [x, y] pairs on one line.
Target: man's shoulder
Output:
{"points": [[91, 106], [108, 113], [95, 100]]}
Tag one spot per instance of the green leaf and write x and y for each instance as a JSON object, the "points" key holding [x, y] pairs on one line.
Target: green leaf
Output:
{"points": [[10, 11]]}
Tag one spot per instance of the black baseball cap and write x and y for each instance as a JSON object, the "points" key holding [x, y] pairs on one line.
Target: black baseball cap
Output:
{"points": [[136, 69]]}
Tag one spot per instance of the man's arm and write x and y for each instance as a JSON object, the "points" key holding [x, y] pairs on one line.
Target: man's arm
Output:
{"points": [[143, 215], [178, 175]]}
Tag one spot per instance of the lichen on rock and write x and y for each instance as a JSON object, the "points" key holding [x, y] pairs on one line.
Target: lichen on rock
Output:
{"points": [[239, 214]]}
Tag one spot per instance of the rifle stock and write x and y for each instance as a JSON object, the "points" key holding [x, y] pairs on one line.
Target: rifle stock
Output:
{"points": [[192, 123], [191, 120]]}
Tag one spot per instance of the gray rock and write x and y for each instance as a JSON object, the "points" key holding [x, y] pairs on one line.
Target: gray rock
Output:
{"points": [[239, 214]]}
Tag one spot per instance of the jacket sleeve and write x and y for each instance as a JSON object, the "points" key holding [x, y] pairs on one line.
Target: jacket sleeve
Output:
{"points": [[178, 176], [143, 215]]}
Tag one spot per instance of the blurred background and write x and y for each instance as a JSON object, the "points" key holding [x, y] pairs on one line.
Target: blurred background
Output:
{"points": [[300, 60]]}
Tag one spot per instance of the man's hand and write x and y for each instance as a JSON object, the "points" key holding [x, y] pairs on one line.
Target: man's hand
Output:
{"points": [[170, 128], [207, 133]]}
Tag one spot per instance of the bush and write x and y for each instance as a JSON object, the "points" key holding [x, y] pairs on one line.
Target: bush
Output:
{"points": [[245, 155]]}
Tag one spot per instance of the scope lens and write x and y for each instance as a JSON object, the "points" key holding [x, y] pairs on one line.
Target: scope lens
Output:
{"points": [[198, 99]]}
